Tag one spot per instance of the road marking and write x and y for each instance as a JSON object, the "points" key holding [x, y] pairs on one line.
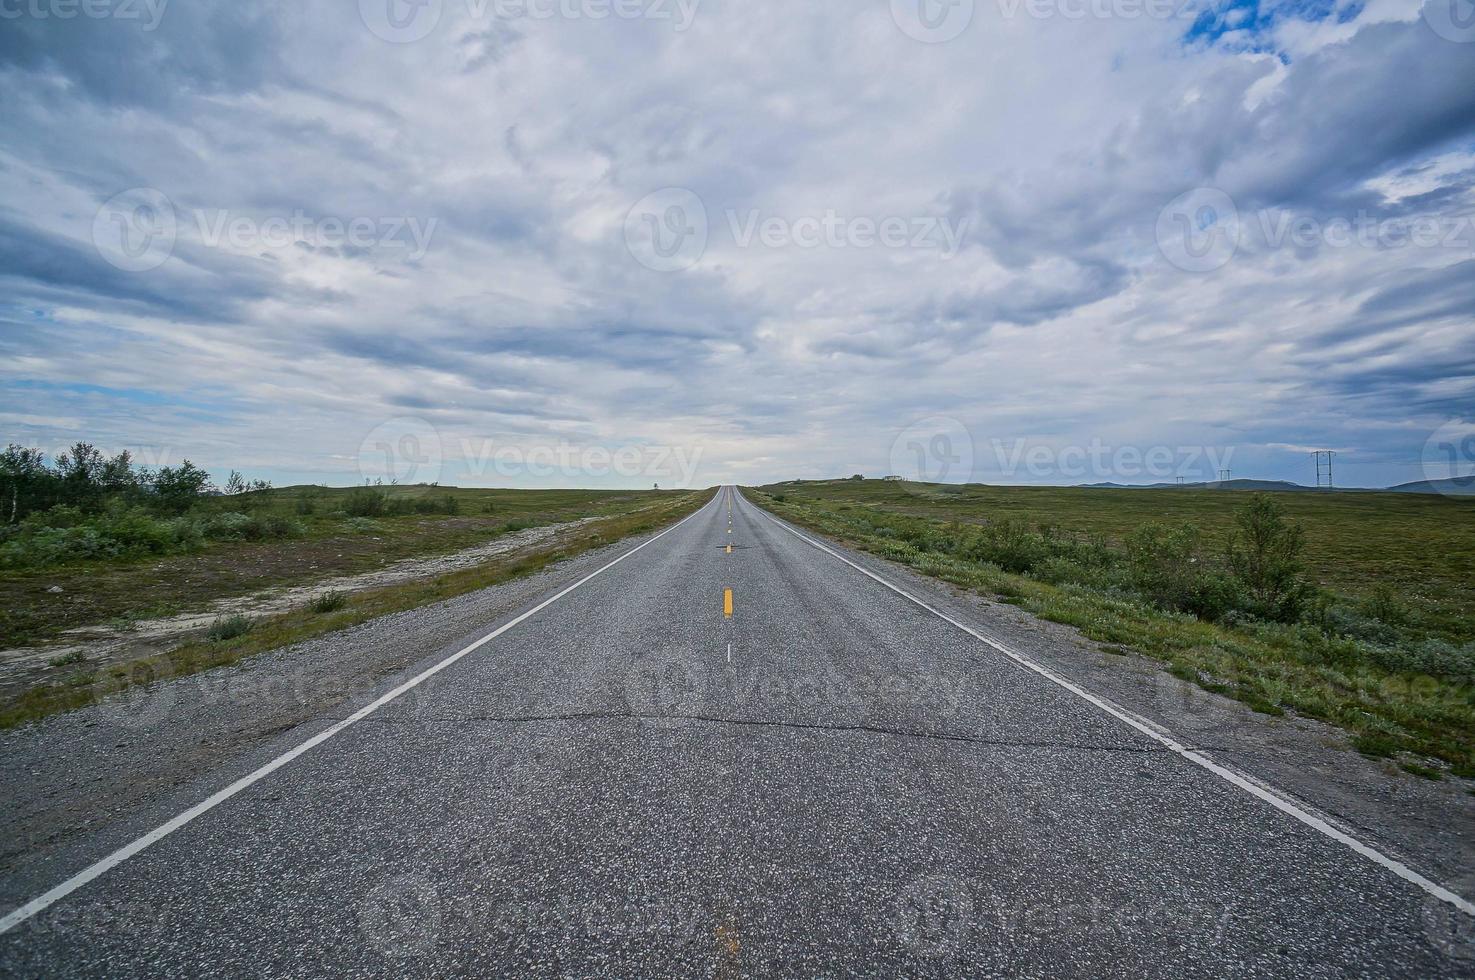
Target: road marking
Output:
{"points": [[49, 898], [729, 653], [727, 603], [1247, 783], [729, 549]]}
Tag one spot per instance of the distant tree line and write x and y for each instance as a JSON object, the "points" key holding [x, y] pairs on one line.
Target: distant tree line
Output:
{"points": [[88, 480]]}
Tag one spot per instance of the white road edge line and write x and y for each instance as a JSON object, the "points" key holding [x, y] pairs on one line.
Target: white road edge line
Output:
{"points": [[1246, 783], [49, 898]]}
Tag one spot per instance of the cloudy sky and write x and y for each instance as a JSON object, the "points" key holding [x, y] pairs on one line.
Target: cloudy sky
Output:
{"points": [[618, 242]]}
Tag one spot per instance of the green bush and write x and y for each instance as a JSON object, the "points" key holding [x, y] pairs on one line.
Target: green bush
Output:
{"points": [[1264, 554], [1386, 605], [1354, 622], [228, 628], [401, 506], [1167, 567], [63, 534], [1011, 545], [367, 502], [232, 526], [1435, 657], [327, 602]]}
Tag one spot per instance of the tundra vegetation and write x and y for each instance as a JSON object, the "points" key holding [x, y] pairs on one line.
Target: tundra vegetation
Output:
{"points": [[1357, 609], [90, 542]]}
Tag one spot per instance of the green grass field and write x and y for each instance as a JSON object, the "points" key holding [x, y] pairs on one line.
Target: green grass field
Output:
{"points": [[327, 543], [1421, 545], [323, 540], [1386, 652]]}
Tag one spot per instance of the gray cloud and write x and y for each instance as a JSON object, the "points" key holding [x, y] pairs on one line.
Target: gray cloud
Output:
{"points": [[1054, 143]]}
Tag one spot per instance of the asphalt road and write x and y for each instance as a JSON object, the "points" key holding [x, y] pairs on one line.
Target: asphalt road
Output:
{"points": [[831, 781]]}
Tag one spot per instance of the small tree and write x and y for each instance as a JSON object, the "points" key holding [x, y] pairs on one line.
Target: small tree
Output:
{"points": [[1265, 557], [234, 484], [176, 488], [26, 483]]}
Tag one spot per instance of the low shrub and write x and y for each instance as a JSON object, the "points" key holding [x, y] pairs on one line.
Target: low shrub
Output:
{"points": [[367, 502], [400, 506], [1386, 606], [228, 628], [233, 526], [327, 602], [1438, 658], [63, 534]]}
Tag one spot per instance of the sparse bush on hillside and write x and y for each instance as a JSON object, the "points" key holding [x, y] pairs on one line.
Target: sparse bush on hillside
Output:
{"points": [[65, 534], [328, 602], [1386, 605], [400, 506], [1264, 554], [367, 502], [1167, 566], [228, 628], [233, 526]]}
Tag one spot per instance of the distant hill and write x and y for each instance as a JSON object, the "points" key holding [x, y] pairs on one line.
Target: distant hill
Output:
{"points": [[1463, 486], [1459, 487], [1279, 485]]}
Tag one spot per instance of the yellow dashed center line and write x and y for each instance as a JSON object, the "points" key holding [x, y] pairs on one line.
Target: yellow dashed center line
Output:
{"points": [[727, 603]]}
